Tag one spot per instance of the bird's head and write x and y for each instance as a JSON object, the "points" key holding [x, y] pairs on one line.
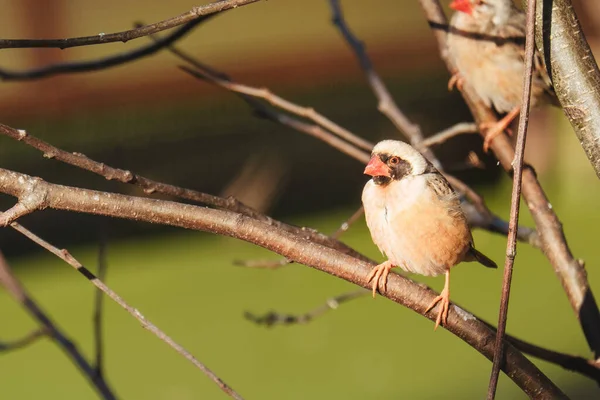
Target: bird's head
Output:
{"points": [[395, 160], [482, 9]]}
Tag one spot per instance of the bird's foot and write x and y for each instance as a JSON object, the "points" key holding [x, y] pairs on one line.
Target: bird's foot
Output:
{"points": [[456, 80], [380, 274], [494, 129], [444, 298]]}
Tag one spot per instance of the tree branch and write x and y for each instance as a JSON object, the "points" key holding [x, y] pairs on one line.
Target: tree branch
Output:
{"points": [[18, 292], [386, 104], [99, 307], [511, 243], [146, 324], [125, 36], [573, 70], [399, 289], [150, 186], [25, 341], [105, 62], [571, 272]]}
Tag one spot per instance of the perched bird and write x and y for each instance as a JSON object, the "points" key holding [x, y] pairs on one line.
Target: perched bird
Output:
{"points": [[486, 43], [415, 219]]}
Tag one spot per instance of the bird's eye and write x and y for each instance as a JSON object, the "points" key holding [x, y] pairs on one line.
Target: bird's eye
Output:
{"points": [[394, 160]]}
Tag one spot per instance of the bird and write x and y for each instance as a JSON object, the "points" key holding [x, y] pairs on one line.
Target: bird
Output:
{"points": [[415, 219], [486, 44]]}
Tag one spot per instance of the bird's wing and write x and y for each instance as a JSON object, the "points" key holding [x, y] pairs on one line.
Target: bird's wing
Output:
{"points": [[446, 194]]}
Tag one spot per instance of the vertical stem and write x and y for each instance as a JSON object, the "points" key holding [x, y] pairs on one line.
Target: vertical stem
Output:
{"points": [[511, 245]]}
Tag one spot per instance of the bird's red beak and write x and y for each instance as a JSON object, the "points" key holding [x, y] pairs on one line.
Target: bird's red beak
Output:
{"points": [[462, 6], [376, 167]]}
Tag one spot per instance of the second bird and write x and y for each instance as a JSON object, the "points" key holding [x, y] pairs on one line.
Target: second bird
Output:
{"points": [[486, 43]]}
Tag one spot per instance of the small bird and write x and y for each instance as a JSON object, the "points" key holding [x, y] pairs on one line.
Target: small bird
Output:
{"points": [[415, 219], [486, 43]]}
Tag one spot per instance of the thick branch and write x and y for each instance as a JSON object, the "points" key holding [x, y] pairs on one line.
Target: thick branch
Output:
{"points": [[150, 186], [571, 272], [125, 36], [401, 290], [573, 70]]}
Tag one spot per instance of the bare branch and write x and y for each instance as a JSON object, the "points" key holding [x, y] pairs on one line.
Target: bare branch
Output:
{"points": [[125, 36], [25, 341], [105, 62], [150, 186], [292, 246], [146, 324], [348, 146], [346, 224], [446, 134], [511, 243], [274, 318], [99, 305], [275, 264], [386, 104], [18, 292], [277, 101], [571, 272]]}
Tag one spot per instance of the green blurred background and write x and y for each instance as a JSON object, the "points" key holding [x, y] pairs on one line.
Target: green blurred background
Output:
{"points": [[150, 117]]}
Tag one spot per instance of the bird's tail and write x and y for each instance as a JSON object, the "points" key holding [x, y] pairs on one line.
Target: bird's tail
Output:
{"points": [[482, 259]]}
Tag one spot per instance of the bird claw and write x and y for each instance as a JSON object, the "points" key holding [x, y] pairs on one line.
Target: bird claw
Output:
{"points": [[379, 273], [456, 80], [442, 317], [492, 131]]}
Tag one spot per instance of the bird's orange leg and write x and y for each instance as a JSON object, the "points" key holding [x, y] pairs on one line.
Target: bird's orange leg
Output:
{"points": [[496, 128], [456, 80], [444, 297], [380, 274]]}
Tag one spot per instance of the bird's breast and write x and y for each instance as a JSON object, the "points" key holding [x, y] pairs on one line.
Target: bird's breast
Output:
{"points": [[414, 228]]}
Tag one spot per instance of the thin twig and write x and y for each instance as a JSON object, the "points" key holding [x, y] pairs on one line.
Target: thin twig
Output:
{"points": [[18, 292], [125, 36], [455, 130], [513, 224], [99, 304], [104, 62], [25, 341], [69, 259], [267, 95], [274, 318], [386, 104], [346, 224]]}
